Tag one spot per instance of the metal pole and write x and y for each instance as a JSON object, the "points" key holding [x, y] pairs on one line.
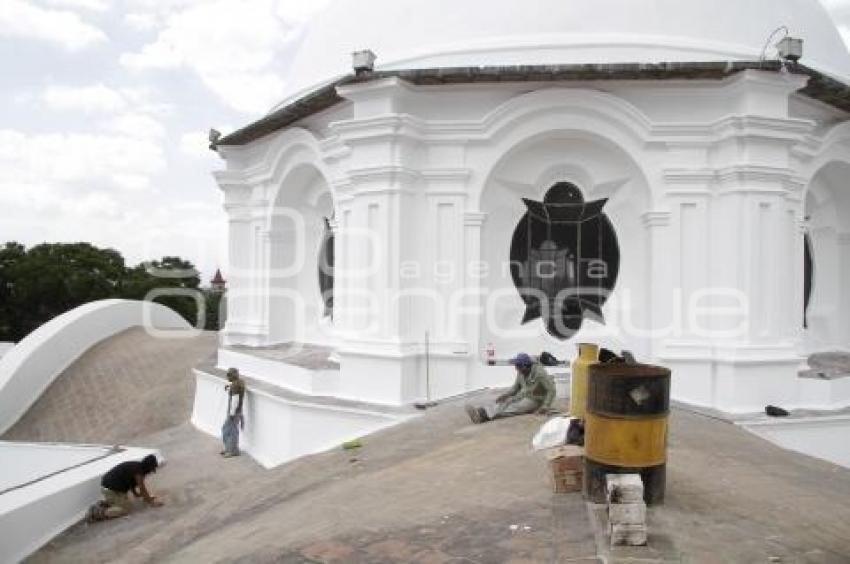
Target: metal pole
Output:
{"points": [[427, 368]]}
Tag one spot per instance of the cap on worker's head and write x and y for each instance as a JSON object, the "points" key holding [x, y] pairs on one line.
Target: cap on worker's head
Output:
{"points": [[149, 464], [522, 359], [232, 373]]}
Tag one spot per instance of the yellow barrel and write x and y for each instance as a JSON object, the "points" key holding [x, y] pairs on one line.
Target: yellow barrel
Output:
{"points": [[626, 426], [588, 354]]}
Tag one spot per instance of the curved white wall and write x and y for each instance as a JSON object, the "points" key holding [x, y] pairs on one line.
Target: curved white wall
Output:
{"points": [[58, 494], [29, 368]]}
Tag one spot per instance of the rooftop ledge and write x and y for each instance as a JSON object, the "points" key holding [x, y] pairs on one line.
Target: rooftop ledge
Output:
{"points": [[820, 86]]}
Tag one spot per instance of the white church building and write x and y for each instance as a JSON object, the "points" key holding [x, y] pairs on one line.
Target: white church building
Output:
{"points": [[652, 175]]}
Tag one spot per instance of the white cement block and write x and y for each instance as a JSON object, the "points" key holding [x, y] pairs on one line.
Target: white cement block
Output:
{"points": [[628, 535], [624, 488], [627, 513]]}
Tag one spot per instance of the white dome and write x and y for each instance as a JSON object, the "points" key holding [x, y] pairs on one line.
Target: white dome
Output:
{"points": [[455, 33]]}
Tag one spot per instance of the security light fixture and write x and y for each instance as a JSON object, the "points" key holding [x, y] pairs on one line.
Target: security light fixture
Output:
{"points": [[214, 136], [363, 61], [790, 49]]}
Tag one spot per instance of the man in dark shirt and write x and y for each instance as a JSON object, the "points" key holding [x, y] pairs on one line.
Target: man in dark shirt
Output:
{"points": [[124, 478], [235, 389]]}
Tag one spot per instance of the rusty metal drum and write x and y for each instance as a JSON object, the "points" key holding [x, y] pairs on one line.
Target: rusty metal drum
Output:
{"points": [[626, 427]]}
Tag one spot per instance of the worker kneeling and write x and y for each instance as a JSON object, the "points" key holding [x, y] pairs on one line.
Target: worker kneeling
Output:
{"points": [[121, 480], [533, 392]]}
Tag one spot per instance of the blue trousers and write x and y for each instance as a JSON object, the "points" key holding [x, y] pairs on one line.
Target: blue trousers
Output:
{"points": [[230, 434]]}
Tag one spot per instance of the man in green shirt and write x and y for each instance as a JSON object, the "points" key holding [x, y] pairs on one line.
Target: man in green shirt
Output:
{"points": [[533, 392]]}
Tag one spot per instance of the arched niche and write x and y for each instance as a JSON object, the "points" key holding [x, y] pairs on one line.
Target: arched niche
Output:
{"points": [[299, 217], [600, 169], [827, 214]]}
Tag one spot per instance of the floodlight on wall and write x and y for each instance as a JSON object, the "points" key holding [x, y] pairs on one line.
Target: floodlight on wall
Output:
{"points": [[790, 49], [214, 136], [363, 61]]}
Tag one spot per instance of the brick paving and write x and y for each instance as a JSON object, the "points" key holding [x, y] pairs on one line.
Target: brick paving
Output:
{"points": [[125, 387]]}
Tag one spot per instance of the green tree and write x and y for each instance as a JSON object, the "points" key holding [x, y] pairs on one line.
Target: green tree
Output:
{"points": [[157, 279], [214, 306], [53, 278], [10, 255], [47, 280]]}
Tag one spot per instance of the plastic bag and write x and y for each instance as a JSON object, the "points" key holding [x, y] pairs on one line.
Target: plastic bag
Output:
{"points": [[553, 433]]}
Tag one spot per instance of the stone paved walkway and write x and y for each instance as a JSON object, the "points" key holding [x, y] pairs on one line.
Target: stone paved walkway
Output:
{"points": [[127, 386]]}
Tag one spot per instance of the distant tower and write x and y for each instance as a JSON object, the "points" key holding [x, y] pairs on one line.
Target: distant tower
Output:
{"points": [[218, 283]]}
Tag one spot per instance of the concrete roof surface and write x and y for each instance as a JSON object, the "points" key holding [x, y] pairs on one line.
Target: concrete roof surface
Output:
{"points": [[438, 489]]}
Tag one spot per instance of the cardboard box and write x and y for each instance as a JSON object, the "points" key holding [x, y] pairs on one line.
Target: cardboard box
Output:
{"points": [[566, 467]]}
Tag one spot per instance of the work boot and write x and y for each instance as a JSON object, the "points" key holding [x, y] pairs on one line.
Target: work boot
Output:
{"points": [[474, 414]]}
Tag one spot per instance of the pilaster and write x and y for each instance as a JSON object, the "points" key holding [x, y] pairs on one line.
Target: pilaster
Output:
{"points": [[657, 224]]}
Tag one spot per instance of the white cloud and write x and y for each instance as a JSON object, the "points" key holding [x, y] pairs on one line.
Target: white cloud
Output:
{"points": [[65, 163], [93, 5], [136, 125], [22, 19], [234, 47], [195, 144], [89, 99], [141, 21]]}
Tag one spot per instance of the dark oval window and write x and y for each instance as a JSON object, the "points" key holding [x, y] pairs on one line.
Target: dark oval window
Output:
{"points": [[808, 277], [326, 269], [564, 259]]}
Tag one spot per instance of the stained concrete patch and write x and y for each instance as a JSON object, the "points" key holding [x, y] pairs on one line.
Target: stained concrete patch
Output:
{"points": [[554, 533]]}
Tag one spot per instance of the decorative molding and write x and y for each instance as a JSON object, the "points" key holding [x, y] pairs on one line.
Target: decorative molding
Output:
{"points": [[734, 179], [790, 129], [749, 173], [474, 219], [696, 182], [394, 126], [238, 213], [385, 173], [447, 174], [658, 218]]}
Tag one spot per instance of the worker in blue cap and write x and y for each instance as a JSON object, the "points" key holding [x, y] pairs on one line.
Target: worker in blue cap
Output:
{"points": [[533, 392]]}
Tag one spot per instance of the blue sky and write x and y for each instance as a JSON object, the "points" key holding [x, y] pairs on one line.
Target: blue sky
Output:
{"points": [[105, 107]]}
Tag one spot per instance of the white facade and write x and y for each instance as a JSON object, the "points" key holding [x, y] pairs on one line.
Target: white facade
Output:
{"points": [[710, 186]]}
